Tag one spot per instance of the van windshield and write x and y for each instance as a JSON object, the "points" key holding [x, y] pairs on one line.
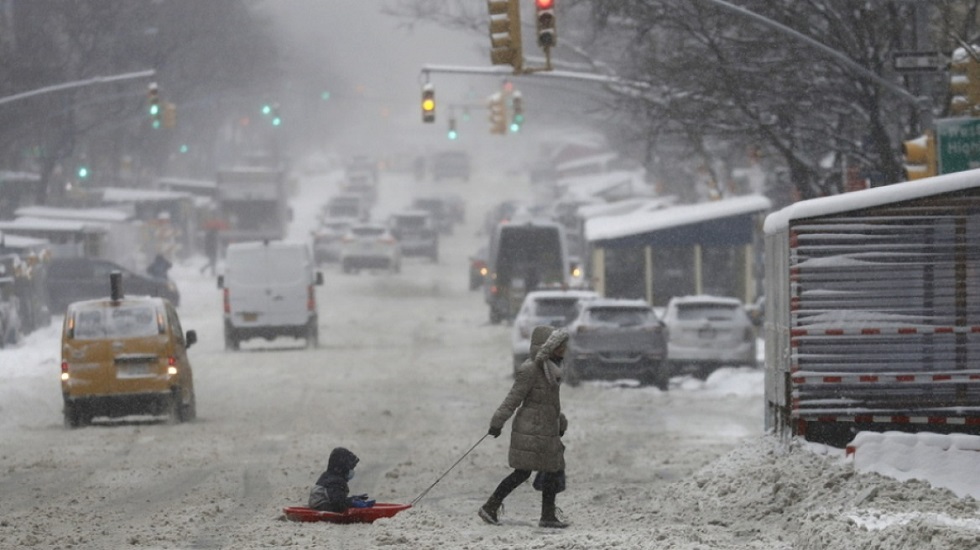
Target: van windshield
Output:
{"points": [[125, 321], [271, 265]]}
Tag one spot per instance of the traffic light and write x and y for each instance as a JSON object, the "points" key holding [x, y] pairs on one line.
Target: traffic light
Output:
{"points": [[83, 172], [505, 33], [428, 103], [153, 94], [545, 22], [498, 114], [920, 156], [274, 113], [452, 134], [964, 82], [517, 110], [169, 115]]}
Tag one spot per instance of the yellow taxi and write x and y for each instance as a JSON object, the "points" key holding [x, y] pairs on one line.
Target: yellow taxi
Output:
{"points": [[125, 356]]}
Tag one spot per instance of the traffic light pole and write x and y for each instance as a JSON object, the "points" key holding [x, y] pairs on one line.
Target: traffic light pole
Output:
{"points": [[494, 71], [77, 84]]}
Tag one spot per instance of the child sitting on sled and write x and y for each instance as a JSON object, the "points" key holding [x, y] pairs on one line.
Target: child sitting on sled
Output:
{"points": [[330, 494]]}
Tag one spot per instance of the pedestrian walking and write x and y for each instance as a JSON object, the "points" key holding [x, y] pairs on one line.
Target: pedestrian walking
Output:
{"points": [[539, 424], [211, 249]]}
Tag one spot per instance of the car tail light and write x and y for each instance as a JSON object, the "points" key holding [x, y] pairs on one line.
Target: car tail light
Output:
{"points": [[227, 301], [64, 371], [494, 289], [171, 365], [310, 298]]}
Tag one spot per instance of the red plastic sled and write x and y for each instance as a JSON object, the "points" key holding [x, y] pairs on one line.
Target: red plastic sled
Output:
{"points": [[352, 515]]}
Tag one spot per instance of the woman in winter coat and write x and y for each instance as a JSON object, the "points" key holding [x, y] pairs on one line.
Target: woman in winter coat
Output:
{"points": [[535, 439], [330, 492]]}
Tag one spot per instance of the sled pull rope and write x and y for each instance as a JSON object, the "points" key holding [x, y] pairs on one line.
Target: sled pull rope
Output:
{"points": [[418, 498]]}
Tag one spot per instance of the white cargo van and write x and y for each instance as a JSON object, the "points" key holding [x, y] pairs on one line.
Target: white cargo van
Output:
{"points": [[269, 292]]}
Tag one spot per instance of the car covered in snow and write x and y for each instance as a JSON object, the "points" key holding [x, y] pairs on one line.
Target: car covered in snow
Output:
{"points": [[554, 308], [327, 239], [614, 338], [370, 246], [123, 356], [707, 332]]}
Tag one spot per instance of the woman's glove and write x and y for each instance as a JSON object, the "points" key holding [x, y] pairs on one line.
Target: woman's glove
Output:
{"points": [[495, 432]]}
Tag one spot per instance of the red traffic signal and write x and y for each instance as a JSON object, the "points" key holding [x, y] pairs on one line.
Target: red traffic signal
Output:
{"points": [[545, 22]]}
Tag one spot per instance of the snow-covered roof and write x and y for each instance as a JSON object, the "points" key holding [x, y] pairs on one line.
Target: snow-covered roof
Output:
{"points": [[613, 227], [869, 198], [186, 182], [19, 242], [618, 183], [122, 194], [8, 175], [560, 293], [600, 158], [50, 224], [80, 214], [625, 206]]}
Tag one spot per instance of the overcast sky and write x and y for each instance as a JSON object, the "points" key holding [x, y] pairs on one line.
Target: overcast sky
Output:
{"points": [[370, 61]]}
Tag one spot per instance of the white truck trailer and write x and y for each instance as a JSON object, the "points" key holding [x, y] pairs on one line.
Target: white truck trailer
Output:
{"points": [[873, 311]]}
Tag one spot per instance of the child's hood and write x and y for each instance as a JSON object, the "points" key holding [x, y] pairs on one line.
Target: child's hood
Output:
{"points": [[341, 461]]}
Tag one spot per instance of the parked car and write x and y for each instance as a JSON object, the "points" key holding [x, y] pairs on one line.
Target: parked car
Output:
{"points": [[707, 332], [614, 338], [327, 239], [125, 355], [74, 279], [370, 246], [11, 326], [478, 268], [555, 308], [451, 164], [268, 291], [416, 233]]}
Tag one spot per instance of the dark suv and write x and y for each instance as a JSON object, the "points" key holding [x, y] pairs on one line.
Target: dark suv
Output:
{"points": [[416, 233], [74, 279]]}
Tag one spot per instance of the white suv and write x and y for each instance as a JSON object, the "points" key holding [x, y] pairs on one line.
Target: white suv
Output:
{"points": [[707, 332], [555, 308], [269, 292]]}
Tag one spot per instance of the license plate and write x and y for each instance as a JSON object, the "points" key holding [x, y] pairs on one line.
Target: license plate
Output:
{"points": [[707, 333], [249, 317], [134, 370]]}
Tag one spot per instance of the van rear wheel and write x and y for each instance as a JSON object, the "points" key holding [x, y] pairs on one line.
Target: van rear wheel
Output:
{"points": [[313, 335], [171, 409]]}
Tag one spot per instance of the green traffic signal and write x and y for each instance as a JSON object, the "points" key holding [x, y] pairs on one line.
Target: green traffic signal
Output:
{"points": [[82, 172], [325, 96], [276, 121], [154, 110], [266, 109], [453, 134]]}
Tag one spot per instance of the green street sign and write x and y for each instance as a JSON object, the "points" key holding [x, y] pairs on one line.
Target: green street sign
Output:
{"points": [[957, 144]]}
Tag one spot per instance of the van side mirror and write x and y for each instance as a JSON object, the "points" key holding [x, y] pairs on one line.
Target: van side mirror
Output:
{"points": [[319, 278], [221, 281], [191, 338]]}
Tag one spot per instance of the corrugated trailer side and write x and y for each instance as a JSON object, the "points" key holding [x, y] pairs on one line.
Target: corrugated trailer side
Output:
{"points": [[874, 319]]}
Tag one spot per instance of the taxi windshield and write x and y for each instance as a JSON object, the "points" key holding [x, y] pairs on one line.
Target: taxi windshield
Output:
{"points": [[126, 321]]}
